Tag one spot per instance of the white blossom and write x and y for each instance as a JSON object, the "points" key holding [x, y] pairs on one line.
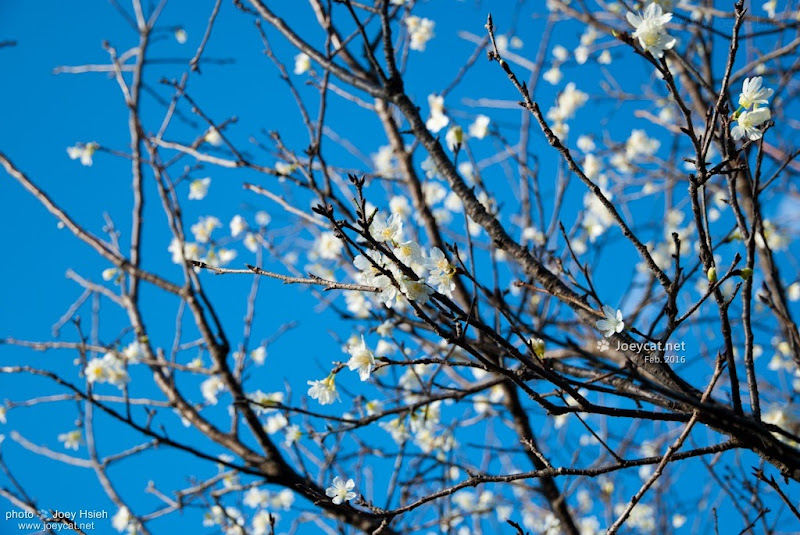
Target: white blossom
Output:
{"points": [[219, 257], [385, 329], [416, 290], [361, 359], [324, 390], [639, 144], [775, 239], [479, 127], [213, 137], [453, 202], [437, 119], [262, 522], [285, 169], [454, 137], [71, 439], [651, 29], [586, 144], [560, 53], [567, 103], [748, 123], [678, 521], [302, 63], [581, 54], [793, 291], [368, 267], [642, 517], [251, 242], [259, 355], [275, 423], [410, 254], [770, 6], [357, 304], [204, 227], [553, 75], [597, 218], [237, 225], [753, 94], [591, 166], [122, 519], [108, 369], [390, 230], [384, 161], [327, 246], [262, 218], [282, 500], [400, 206], [340, 490], [434, 192], [292, 434], [441, 272], [181, 36], [210, 388], [133, 352], [466, 170], [533, 235], [198, 188], [84, 152], [612, 323], [397, 429], [190, 251], [264, 403], [255, 498]]}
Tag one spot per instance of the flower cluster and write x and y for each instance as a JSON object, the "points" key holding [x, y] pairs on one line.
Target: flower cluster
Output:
{"points": [[124, 521], [420, 30], [108, 369], [230, 519], [567, 103], [437, 119], [432, 271], [203, 249], [263, 403], [266, 502], [751, 115]]}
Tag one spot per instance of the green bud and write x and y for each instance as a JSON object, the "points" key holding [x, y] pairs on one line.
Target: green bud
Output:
{"points": [[746, 273], [712, 275], [537, 344]]}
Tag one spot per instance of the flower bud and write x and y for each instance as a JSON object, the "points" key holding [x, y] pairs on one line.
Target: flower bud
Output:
{"points": [[711, 274], [537, 344], [746, 273]]}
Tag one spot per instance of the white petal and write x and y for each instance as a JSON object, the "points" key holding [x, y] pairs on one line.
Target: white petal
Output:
{"points": [[634, 19]]}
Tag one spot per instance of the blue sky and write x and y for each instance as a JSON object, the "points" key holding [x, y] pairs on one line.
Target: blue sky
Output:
{"points": [[42, 113]]}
